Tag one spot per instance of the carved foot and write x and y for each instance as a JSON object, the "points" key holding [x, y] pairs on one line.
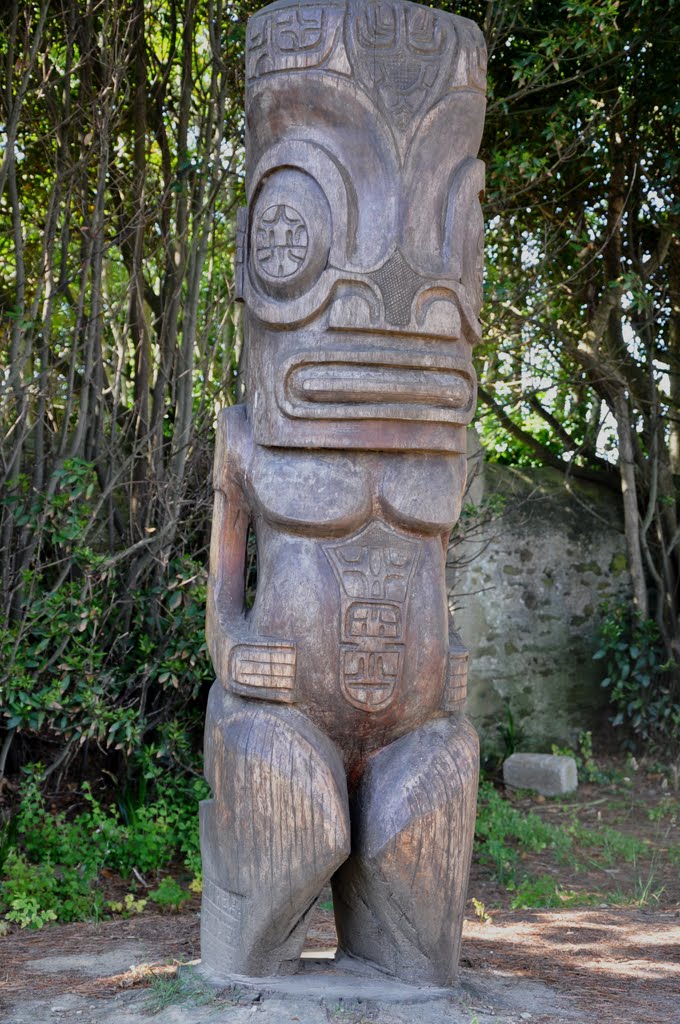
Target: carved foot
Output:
{"points": [[399, 899], [274, 832]]}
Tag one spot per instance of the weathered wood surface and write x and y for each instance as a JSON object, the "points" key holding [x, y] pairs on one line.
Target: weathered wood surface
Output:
{"points": [[336, 746]]}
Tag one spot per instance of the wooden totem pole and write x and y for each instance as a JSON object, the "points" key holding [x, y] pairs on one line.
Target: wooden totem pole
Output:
{"points": [[336, 744]]}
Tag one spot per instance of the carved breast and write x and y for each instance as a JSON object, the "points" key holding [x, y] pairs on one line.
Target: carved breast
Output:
{"points": [[309, 491], [322, 493]]}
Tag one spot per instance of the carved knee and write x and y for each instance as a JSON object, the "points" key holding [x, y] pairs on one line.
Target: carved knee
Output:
{"points": [[400, 897], [275, 830]]}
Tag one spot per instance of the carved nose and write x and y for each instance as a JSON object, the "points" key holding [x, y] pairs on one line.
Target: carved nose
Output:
{"points": [[398, 284]]}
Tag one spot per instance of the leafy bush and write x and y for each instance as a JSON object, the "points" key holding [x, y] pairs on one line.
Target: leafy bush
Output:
{"points": [[640, 681], [54, 864], [89, 658]]}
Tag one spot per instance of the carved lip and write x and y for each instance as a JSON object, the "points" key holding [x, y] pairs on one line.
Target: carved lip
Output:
{"points": [[378, 385], [347, 382]]}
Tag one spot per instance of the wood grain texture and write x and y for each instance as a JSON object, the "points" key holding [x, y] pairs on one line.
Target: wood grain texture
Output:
{"points": [[272, 835], [359, 262], [399, 897]]}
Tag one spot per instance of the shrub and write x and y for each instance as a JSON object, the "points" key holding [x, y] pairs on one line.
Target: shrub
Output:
{"points": [[54, 864], [91, 658], [642, 689]]}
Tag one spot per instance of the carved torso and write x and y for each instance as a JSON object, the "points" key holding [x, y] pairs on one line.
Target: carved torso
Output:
{"points": [[351, 556]]}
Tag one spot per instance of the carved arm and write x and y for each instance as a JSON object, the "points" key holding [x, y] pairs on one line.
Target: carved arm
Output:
{"points": [[254, 666]]}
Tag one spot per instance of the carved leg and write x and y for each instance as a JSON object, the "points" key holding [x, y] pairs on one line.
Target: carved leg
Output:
{"points": [[399, 899], [274, 832]]}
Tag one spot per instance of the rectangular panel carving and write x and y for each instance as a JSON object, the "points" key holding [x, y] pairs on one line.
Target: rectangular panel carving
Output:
{"points": [[264, 670]]}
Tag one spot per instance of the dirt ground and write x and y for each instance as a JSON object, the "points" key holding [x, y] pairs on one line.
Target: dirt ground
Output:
{"points": [[586, 966], [606, 963]]}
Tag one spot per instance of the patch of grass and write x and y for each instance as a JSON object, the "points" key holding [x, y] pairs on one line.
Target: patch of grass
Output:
{"points": [[503, 832], [667, 809], [189, 989], [646, 892], [508, 835], [546, 891], [609, 845]]}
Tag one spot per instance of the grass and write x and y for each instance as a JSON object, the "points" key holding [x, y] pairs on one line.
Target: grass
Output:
{"points": [[553, 854], [186, 988]]}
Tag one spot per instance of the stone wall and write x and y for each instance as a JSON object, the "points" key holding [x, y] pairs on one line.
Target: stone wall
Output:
{"points": [[528, 602]]}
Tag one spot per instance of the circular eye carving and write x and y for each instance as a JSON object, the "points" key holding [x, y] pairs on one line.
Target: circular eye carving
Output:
{"points": [[290, 233], [281, 241]]}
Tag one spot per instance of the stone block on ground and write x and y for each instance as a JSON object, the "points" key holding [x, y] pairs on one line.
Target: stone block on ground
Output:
{"points": [[548, 774]]}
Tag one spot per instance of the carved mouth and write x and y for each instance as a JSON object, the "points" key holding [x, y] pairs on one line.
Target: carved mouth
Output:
{"points": [[372, 384], [385, 385]]}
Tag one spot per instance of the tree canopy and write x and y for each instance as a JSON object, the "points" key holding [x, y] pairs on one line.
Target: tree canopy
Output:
{"points": [[122, 167]]}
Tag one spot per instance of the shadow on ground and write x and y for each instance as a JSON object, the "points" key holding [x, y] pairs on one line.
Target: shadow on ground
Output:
{"points": [[588, 966]]}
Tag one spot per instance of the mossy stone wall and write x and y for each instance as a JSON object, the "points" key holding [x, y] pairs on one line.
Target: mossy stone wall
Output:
{"points": [[527, 606]]}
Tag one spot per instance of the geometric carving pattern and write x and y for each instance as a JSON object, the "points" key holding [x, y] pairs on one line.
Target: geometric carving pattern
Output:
{"points": [[373, 569], [398, 283], [224, 909], [281, 241], [296, 39], [241, 229], [455, 690], [264, 670], [403, 55]]}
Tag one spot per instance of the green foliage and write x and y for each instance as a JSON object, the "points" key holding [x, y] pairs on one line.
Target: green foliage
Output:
{"points": [[53, 869], [642, 689], [118, 338], [665, 809], [609, 844], [588, 768], [170, 895], [542, 891], [505, 835], [128, 906], [502, 833], [80, 665]]}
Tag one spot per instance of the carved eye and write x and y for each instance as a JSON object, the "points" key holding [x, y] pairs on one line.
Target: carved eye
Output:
{"points": [[290, 233]]}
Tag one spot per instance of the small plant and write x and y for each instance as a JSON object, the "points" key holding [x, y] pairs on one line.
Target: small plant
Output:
{"points": [[129, 906], [588, 768], [666, 808], [481, 913], [169, 895], [27, 911], [511, 733]]}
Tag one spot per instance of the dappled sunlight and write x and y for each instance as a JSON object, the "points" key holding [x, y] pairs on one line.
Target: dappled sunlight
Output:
{"points": [[595, 954]]}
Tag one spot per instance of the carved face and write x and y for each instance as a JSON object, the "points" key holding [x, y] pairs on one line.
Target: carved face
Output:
{"points": [[360, 248]]}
